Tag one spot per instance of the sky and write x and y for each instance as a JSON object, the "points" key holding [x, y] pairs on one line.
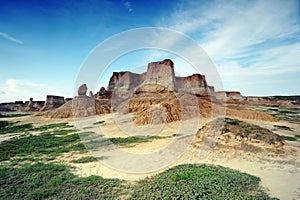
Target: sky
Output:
{"points": [[254, 45]]}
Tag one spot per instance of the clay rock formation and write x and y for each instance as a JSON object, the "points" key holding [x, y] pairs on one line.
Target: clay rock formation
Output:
{"points": [[156, 96], [33, 105], [238, 135], [103, 94], [195, 84], [160, 77], [229, 96], [82, 90], [161, 73], [53, 102], [149, 109], [80, 106], [124, 81]]}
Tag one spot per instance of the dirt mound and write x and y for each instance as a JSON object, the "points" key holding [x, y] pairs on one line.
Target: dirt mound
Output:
{"points": [[171, 106], [239, 135], [154, 108], [249, 114], [79, 107]]}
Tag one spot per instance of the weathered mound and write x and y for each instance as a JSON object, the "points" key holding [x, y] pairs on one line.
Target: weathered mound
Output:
{"points": [[160, 106], [80, 107], [52, 102], [31, 105], [239, 135], [103, 94], [165, 106], [159, 73], [250, 114], [173, 107]]}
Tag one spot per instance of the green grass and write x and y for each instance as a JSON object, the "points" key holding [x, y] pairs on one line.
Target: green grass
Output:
{"points": [[7, 127], [289, 138], [98, 122], [54, 181], [5, 124], [199, 182], [281, 113], [232, 121], [250, 131], [287, 112], [86, 159], [14, 115], [189, 181], [247, 129], [37, 145], [53, 126], [64, 131], [283, 127], [125, 141]]}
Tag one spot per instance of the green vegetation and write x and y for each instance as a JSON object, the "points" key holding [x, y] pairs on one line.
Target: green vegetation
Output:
{"points": [[232, 121], [289, 138], [40, 181], [125, 141], [63, 131], [53, 126], [35, 180], [250, 131], [199, 182], [189, 181], [86, 159], [14, 115], [10, 127], [37, 145], [282, 113], [283, 127], [247, 129], [99, 122]]}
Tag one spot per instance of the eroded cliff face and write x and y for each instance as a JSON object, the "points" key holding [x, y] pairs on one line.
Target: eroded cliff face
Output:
{"points": [[52, 102], [124, 81], [156, 96], [161, 73], [195, 84], [160, 77]]}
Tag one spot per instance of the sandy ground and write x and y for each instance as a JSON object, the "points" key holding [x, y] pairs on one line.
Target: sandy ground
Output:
{"points": [[280, 174]]}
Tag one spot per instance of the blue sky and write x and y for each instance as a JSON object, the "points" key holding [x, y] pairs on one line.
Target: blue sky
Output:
{"points": [[254, 44]]}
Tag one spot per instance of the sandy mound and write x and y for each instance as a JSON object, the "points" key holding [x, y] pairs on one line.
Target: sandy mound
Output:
{"points": [[250, 114], [155, 108], [79, 107], [168, 107], [240, 135]]}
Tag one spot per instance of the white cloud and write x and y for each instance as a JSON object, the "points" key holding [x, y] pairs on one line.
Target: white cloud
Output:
{"points": [[8, 37], [128, 6], [14, 89], [244, 39]]}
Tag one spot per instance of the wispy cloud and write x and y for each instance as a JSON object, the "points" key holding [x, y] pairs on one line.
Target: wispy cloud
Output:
{"points": [[8, 37], [15, 89], [128, 6], [248, 39]]}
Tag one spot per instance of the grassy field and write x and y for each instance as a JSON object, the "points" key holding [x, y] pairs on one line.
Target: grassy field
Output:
{"points": [[282, 113], [30, 170], [55, 181]]}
